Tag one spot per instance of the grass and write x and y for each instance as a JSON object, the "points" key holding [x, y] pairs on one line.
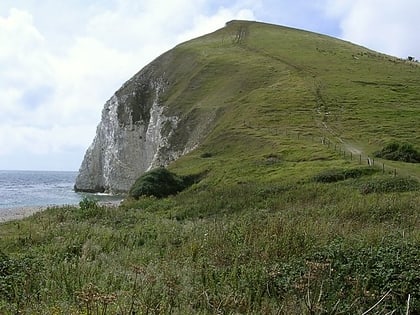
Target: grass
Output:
{"points": [[257, 234], [243, 248], [277, 78]]}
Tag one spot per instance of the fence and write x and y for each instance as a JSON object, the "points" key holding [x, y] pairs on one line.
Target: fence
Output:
{"points": [[362, 159], [344, 150]]}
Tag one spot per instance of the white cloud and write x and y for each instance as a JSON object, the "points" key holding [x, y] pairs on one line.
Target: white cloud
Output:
{"points": [[22, 56], [26, 36], [51, 98], [387, 25], [203, 24]]}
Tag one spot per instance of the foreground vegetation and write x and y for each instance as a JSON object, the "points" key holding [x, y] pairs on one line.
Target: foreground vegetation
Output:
{"points": [[288, 248], [266, 216]]}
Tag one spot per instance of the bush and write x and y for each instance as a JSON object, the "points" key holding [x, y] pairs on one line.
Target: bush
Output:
{"points": [[88, 203], [335, 175], [390, 184], [395, 151], [206, 155], [89, 208], [159, 183]]}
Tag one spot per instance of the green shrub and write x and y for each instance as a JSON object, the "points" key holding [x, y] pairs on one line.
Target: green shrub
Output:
{"points": [[206, 155], [395, 151], [335, 175], [89, 208], [159, 183], [88, 203], [390, 184]]}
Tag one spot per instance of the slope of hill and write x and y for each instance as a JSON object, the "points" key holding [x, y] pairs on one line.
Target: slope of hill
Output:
{"points": [[241, 81], [288, 218], [271, 82]]}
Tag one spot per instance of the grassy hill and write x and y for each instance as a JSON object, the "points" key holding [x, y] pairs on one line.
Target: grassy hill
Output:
{"points": [[288, 218], [263, 81]]}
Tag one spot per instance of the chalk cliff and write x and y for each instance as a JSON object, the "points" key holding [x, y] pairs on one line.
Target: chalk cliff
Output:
{"points": [[138, 132]]}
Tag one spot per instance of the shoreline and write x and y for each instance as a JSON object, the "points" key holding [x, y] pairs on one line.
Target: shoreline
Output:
{"points": [[19, 213]]}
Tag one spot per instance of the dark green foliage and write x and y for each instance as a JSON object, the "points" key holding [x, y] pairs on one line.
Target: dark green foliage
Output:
{"points": [[206, 155], [395, 151], [89, 208], [88, 203], [160, 183], [335, 175], [390, 184], [18, 279], [349, 271]]}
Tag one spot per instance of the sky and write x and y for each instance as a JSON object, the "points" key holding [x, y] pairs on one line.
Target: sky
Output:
{"points": [[60, 61]]}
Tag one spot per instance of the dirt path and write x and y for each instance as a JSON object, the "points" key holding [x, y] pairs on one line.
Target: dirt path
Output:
{"points": [[348, 146], [398, 168]]}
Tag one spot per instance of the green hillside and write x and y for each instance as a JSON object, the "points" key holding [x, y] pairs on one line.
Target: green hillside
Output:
{"points": [[264, 81], [284, 215]]}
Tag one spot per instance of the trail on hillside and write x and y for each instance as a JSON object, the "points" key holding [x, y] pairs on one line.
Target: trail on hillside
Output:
{"points": [[354, 150], [240, 38], [241, 34], [348, 146]]}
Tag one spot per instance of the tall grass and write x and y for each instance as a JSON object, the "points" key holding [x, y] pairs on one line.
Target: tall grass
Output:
{"points": [[308, 249]]}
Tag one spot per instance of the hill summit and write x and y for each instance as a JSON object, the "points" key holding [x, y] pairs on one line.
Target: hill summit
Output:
{"points": [[240, 90]]}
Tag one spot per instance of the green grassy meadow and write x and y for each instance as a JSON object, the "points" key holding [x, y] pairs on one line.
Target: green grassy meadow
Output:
{"points": [[281, 223]]}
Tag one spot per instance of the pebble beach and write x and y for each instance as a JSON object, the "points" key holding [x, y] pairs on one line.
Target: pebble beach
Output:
{"points": [[10, 214], [18, 213]]}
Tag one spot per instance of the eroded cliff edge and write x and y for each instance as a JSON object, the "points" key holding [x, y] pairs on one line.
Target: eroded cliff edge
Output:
{"points": [[138, 131]]}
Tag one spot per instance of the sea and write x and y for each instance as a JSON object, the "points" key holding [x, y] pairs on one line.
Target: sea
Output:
{"points": [[26, 189], [21, 189]]}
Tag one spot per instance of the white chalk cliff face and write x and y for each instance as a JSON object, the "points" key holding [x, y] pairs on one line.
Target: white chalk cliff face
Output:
{"points": [[134, 136]]}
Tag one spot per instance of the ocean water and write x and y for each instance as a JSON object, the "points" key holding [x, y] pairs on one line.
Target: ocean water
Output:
{"points": [[19, 189]]}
